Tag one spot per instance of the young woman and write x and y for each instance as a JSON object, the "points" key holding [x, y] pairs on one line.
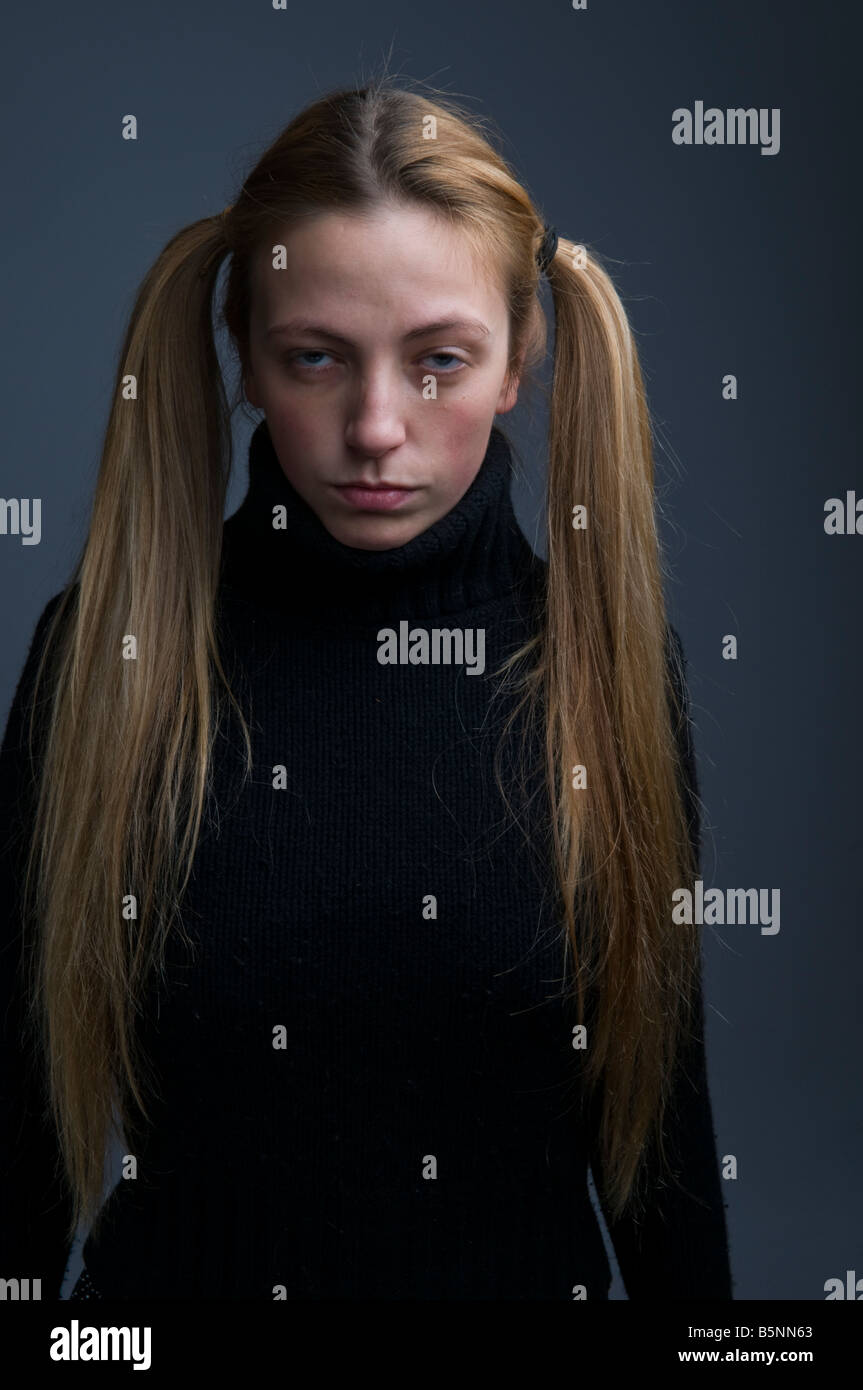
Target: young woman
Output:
{"points": [[347, 829]]}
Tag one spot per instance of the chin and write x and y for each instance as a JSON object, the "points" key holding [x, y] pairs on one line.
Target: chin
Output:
{"points": [[373, 538]]}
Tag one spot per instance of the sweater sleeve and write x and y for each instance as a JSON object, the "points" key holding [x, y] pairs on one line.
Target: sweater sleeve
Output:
{"points": [[35, 1207], [678, 1246]]}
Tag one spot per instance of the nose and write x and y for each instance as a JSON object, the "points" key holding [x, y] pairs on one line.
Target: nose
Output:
{"points": [[375, 423]]}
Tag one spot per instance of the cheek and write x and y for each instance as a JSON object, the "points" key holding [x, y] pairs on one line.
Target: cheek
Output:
{"points": [[460, 432], [458, 466], [296, 442], [460, 478], [294, 429]]}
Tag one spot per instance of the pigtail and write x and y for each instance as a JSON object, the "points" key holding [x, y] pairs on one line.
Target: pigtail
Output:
{"points": [[130, 728], [621, 839]]}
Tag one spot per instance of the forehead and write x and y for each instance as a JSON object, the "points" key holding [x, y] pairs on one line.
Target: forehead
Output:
{"points": [[392, 261]]}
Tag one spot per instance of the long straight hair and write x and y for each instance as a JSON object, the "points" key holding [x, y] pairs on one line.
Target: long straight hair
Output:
{"points": [[125, 745]]}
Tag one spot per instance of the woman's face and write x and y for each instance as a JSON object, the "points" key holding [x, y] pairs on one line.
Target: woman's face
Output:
{"points": [[378, 356]]}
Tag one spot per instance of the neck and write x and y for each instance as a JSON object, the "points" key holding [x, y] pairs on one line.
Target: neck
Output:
{"points": [[475, 554]]}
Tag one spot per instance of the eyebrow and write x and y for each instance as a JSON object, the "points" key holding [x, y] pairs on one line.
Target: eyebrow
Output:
{"points": [[438, 326]]}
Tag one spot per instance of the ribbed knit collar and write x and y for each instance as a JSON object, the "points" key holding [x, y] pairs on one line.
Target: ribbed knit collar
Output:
{"points": [[472, 555]]}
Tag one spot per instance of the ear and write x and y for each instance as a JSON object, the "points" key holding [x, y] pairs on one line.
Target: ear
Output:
{"points": [[509, 391]]}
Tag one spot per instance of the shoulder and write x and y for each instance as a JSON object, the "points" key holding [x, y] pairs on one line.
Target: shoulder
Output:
{"points": [[533, 589], [44, 623], [677, 663], [46, 617], [28, 668], [675, 648]]}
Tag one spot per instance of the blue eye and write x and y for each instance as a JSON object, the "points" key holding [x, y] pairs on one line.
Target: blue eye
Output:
{"points": [[451, 355], [295, 359], [309, 352]]}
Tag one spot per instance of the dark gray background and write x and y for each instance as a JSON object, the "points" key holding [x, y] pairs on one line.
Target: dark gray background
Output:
{"points": [[728, 261]]}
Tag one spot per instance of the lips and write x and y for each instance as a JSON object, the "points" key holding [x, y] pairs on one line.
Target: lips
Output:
{"points": [[381, 497]]}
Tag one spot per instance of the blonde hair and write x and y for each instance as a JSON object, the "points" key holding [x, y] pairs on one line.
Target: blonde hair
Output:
{"points": [[125, 746]]}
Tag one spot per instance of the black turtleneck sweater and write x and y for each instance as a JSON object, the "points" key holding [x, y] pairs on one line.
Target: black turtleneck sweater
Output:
{"points": [[366, 1071]]}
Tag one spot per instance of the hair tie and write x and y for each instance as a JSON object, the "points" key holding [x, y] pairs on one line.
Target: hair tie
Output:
{"points": [[547, 250]]}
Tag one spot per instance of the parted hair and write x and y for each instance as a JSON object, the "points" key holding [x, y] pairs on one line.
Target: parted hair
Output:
{"points": [[125, 747]]}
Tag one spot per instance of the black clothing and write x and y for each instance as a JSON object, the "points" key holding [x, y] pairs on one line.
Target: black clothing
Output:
{"points": [[416, 1132]]}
